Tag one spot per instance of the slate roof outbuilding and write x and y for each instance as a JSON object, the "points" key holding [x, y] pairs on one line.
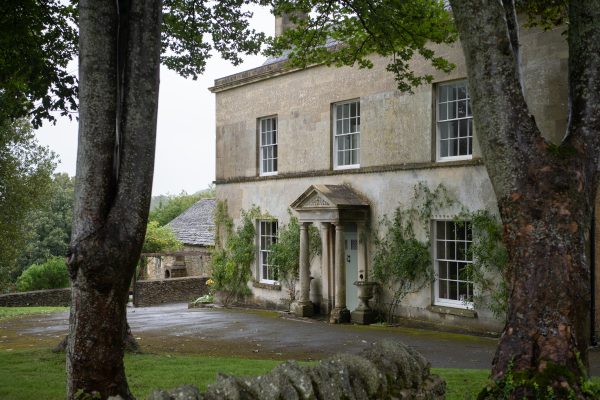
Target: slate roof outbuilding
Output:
{"points": [[196, 226]]}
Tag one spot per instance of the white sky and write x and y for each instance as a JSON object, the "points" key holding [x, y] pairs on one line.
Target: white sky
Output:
{"points": [[185, 145]]}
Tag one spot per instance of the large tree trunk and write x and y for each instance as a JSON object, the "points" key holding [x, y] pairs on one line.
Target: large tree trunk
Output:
{"points": [[118, 100], [545, 194]]}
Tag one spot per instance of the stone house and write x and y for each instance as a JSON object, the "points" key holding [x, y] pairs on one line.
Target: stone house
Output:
{"points": [[343, 147], [195, 229]]}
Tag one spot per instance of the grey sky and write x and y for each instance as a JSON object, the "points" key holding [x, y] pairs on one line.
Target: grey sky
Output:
{"points": [[185, 148]]}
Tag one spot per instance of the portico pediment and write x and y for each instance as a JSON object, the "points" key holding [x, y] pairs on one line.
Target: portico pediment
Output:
{"points": [[330, 202]]}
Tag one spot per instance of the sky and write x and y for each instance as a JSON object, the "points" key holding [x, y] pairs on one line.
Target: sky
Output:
{"points": [[185, 143]]}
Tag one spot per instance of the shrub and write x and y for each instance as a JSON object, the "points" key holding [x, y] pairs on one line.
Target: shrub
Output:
{"points": [[50, 275]]}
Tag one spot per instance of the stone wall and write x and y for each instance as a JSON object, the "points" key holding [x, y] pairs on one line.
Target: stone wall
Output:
{"points": [[163, 291], [39, 298], [386, 370], [196, 260]]}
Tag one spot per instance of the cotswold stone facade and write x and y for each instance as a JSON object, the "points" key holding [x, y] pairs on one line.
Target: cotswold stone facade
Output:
{"points": [[343, 147]]}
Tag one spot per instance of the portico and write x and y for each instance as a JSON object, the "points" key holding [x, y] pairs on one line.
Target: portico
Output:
{"points": [[341, 214]]}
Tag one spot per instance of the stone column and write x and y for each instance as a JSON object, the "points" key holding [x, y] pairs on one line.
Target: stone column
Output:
{"points": [[340, 313], [304, 307], [325, 269]]}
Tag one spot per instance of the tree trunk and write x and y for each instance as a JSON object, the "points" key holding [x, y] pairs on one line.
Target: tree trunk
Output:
{"points": [[118, 95], [545, 196]]}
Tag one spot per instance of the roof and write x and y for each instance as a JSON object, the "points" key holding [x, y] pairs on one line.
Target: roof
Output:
{"points": [[329, 196], [196, 226]]}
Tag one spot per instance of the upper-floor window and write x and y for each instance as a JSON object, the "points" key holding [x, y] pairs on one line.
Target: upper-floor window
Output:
{"points": [[346, 134], [452, 259], [268, 145], [267, 233], [454, 122]]}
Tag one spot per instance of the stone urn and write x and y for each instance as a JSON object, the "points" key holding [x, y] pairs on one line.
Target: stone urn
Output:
{"points": [[364, 314]]}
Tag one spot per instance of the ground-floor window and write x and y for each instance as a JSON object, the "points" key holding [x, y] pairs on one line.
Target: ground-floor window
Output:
{"points": [[452, 257], [267, 232]]}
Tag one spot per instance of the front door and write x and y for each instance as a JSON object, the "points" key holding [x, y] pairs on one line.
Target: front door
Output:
{"points": [[351, 255]]}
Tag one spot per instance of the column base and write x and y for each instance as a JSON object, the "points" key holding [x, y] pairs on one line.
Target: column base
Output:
{"points": [[362, 317], [303, 309], [339, 316]]}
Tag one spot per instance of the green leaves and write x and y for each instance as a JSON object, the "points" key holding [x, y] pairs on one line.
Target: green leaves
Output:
{"points": [[25, 180], [50, 275], [160, 239], [350, 32], [192, 29]]}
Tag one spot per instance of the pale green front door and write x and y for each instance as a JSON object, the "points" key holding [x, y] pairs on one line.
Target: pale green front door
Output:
{"points": [[351, 255]]}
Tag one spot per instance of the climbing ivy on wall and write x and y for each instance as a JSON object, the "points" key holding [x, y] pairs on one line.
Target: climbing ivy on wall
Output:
{"points": [[234, 253], [403, 264]]}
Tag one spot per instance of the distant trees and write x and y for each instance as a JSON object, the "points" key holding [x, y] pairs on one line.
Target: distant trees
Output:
{"points": [[48, 228], [25, 181], [171, 206], [51, 274]]}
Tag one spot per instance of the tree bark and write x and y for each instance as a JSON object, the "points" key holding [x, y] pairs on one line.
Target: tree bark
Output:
{"points": [[545, 194], [118, 101]]}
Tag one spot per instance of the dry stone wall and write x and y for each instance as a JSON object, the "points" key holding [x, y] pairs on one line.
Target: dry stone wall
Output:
{"points": [[386, 370], [174, 290], [39, 298]]}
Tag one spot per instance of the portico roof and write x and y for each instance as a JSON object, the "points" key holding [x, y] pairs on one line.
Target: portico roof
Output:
{"points": [[331, 203]]}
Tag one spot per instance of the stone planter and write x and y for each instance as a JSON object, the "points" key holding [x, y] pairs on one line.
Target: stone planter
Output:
{"points": [[364, 314]]}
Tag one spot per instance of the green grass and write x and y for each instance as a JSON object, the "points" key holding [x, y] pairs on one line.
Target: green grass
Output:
{"points": [[9, 312], [40, 374]]}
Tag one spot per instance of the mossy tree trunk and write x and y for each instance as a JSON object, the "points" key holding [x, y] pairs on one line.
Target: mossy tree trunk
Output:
{"points": [[545, 192], [118, 100]]}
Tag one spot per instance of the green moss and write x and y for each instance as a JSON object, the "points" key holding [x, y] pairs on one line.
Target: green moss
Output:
{"points": [[562, 151], [11, 312]]}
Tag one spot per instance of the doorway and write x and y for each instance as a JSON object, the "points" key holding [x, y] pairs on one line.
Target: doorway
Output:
{"points": [[351, 255]]}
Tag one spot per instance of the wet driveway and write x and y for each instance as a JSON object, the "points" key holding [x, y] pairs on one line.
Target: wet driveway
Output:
{"points": [[260, 334]]}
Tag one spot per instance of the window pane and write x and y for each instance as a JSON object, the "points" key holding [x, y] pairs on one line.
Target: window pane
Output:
{"points": [[443, 289], [443, 110], [353, 109], [462, 108], [346, 126], [463, 128], [453, 147], [443, 93], [452, 129], [463, 147], [444, 148], [443, 270], [440, 229], [346, 113], [462, 92], [453, 290], [451, 110]]}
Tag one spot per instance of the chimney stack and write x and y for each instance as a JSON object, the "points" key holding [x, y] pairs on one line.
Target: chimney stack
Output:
{"points": [[283, 22]]}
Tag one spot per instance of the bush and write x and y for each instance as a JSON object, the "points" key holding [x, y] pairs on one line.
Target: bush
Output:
{"points": [[50, 275]]}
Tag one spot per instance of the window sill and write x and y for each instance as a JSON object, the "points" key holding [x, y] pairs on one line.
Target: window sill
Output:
{"points": [[342, 167], [460, 312], [268, 173], [267, 286], [457, 158]]}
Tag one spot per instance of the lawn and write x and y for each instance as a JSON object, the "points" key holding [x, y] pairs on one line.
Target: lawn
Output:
{"points": [[9, 312], [40, 374]]}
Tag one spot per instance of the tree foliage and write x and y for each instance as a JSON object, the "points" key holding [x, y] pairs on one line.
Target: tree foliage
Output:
{"points": [[25, 180], [51, 274], [39, 38], [160, 239], [48, 228], [37, 41], [349, 33]]}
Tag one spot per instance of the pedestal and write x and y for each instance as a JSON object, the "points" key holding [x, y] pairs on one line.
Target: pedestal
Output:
{"points": [[303, 309], [339, 316]]}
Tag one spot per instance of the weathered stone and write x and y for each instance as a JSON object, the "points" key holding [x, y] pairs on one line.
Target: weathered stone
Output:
{"points": [[387, 370], [153, 292], [185, 392]]}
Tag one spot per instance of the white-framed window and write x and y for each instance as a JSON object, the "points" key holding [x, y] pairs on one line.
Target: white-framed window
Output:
{"points": [[267, 234], [268, 145], [346, 134], [454, 122], [452, 259]]}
